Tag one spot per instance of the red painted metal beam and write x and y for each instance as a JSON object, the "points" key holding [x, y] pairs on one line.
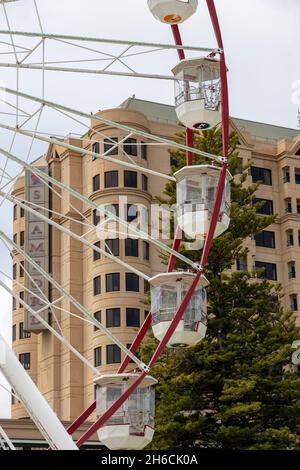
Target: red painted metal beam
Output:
{"points": [[81, 419], [178, 41], [190, 143], [224, 81]]}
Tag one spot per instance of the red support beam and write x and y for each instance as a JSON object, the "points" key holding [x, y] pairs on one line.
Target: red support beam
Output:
{"points": [[190, 143], [178, 41], [81, 419], [224, 81]]}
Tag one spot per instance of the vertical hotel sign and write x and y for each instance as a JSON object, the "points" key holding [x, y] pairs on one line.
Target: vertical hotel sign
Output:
{"points": [[37, 247]]}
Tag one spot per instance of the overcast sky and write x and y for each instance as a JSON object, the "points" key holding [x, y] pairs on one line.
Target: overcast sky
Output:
{"points": [[262, 44]]}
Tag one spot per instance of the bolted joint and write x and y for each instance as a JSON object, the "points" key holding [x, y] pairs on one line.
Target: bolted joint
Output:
{"points": [[144, 367]]}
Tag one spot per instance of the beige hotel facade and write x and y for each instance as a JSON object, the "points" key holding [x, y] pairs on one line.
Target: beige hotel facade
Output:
{"points": [[110, 292]]}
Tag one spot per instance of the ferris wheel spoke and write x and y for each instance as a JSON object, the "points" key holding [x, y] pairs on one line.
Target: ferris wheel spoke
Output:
{"points": [[75, 302]]}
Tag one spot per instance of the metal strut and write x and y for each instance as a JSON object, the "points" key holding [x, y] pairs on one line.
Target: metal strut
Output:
{"points": [[176, 244]]}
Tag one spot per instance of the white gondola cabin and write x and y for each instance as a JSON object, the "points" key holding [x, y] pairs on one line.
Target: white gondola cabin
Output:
{"points": [[172, 11], [198, 93], [167, 293], [132, 426], [196, 194]]}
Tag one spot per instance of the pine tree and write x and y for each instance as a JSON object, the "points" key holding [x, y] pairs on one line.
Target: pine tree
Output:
{"points": [[236, 389]]}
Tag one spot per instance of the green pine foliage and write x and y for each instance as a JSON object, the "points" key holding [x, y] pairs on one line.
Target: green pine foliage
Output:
{"points": [[237, 388]]}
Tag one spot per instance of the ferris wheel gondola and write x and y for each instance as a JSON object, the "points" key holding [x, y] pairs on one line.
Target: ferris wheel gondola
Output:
{"points": [[172, 11]]}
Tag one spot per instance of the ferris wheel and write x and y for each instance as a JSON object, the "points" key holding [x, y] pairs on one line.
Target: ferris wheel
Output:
{"points": [[125, 402]]}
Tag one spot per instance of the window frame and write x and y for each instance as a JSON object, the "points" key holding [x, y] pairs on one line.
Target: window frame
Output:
{"points": [[26, 363], [129, 243], [113, 350], [129, 278], [114, 175], [97, 286], [137, 320], [261, 174], [113, 321], [96, 182], [111, 278], [108, 144], [98, 356], [130, 146], [130, 179]]}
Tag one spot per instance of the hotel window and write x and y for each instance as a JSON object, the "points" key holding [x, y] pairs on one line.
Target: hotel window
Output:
{"points": [[130, 179], [109, 144], [111, 179], [22, 238], [25, 360], [146, 287], [14, 304], [294, 302], [130, 146], [131, 212], [21, 295], [132, 282], [96, 217], [265, 239], [146, 250], [14, 271], [131, 247], [267, 207], [21, 271], [241, 264], [144, 151], [95, 149], [23, 334], [97, 316], [15, 238], [113, 354], [96, 183], [261, 174], [113, 282], [146, 313], [14, 332], [270, 270], [97, 285], [15, 212], [144, 183], [298, 206], [113, 317], [97, 357], [289, 237], [297, 175], [22, 211], [133, 317], [96, 254], [286, 175], [113, 208], [288, 205], [112, 246], [292, 270]]}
